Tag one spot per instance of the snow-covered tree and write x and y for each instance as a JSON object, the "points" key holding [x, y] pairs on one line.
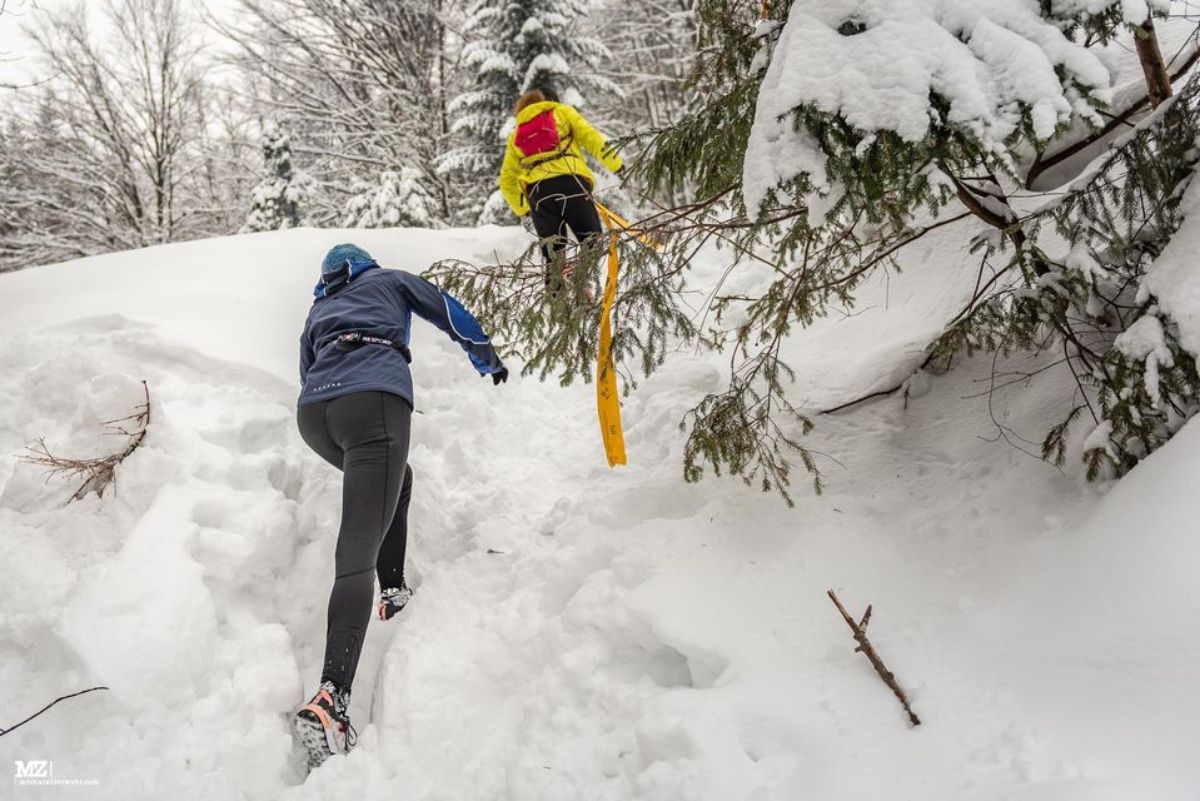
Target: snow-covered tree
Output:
{"points": [[398, 200], [655, 46], [802, 157], [364, 85], [513, 46], [116, 151], [843, 171], [10, 186], [279, 200]]}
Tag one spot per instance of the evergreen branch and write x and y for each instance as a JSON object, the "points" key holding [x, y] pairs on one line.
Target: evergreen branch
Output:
{"points": [[1043, 163]]}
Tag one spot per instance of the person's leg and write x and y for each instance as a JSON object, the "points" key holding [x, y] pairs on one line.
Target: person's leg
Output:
{"points": [[582, 217], [372, 429], [547, 206], [389, 567]]}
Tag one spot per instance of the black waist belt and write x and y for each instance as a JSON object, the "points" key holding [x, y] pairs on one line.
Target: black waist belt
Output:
{"points": [[547, 159], [563, 151], [352, 340]]}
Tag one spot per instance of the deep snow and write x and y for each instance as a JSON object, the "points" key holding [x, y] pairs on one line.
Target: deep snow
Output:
{"points": [[577, 633]]}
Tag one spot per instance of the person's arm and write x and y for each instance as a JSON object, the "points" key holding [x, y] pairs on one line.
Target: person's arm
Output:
{"points": [[510, 180], [590, 139], [444, 311]]}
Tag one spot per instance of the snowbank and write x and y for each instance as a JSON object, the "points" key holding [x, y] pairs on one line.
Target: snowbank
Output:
{"points": [[577, 633]]}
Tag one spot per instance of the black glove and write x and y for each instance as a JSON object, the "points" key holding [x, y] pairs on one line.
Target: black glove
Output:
{"points": [[500, 377]]}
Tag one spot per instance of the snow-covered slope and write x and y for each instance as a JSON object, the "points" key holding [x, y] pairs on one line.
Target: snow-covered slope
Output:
{"points": [[577, 633]]}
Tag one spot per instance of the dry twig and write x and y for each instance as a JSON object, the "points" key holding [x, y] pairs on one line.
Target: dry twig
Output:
{"points": [[97, 472], [46, 707], [868, 650]]}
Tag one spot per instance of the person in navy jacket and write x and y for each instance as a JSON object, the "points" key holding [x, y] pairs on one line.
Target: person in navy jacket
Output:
{"points": [[354, 410]]}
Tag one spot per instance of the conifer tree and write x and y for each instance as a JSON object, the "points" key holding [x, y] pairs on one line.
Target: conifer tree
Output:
{"points": [[839, 199], [398, 200], [278, 201], [513, 46], [796, 163]]}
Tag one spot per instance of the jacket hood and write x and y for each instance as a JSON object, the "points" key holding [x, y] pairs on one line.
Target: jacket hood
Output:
{"points": [[339, 278]]}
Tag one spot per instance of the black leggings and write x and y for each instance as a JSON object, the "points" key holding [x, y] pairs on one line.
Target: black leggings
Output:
{"points": [[365, 435], [559, 203]]}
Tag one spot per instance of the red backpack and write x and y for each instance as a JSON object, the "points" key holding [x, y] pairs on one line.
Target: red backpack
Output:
{"points": [[539, 135]]}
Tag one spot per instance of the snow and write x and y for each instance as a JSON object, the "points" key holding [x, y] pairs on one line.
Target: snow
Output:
{"points": [[1145, 341], [576, 633], [1133, 12], [1177, 40], [988, 60], [1100, 439], [1172, 279]]}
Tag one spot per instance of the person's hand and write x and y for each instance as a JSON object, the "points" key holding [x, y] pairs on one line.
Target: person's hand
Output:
{"points": [[500, 377]]}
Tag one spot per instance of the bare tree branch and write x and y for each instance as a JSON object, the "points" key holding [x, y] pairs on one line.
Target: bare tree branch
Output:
{"points": [[99, 472], [16, 726], [868, 650]]}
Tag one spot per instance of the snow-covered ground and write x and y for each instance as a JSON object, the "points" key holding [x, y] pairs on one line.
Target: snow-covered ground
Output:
{"points": [[577, 633]]}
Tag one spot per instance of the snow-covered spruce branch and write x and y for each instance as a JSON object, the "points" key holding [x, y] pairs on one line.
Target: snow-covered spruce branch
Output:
{"points": [[97, 472], [745, 429], [548, 322], [1137, 382], [1180, 66], [827, 200]]}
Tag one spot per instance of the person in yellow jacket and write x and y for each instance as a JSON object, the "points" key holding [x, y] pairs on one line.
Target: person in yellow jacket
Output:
{"points": [[545, 175]]}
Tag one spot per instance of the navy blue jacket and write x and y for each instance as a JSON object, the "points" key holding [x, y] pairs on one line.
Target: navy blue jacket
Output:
{"points": [[379, 303]]}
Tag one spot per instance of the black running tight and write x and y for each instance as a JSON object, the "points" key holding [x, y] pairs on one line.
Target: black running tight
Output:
{"points": [[559, 203], [365, 435]]}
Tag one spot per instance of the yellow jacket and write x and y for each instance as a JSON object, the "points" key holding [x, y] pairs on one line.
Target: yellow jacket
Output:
{"points": [[518, 172]]}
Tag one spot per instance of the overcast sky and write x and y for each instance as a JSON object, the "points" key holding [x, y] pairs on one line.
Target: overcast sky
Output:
{"points": [[15, 64]]}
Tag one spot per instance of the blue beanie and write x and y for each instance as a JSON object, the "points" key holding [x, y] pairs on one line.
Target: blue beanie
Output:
{"points": [[338, 255]]}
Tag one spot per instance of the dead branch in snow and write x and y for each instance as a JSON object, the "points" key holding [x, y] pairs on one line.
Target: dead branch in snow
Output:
{"points": [[883, 393], [864, 646], [15, 726], [98, 472]]}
